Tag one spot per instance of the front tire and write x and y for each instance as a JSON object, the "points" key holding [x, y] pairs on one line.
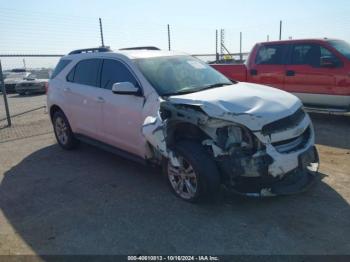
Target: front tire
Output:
{"points": [[63, 131], [195, 175]]}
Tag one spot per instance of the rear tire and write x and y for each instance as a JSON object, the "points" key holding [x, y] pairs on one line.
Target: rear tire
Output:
{"points": [[63, 132], [197, 178]]}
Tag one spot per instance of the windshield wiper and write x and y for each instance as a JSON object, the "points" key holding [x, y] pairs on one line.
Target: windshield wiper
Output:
{"points": [[215, 86], [188, 91], [183, 92], [198, 89]]}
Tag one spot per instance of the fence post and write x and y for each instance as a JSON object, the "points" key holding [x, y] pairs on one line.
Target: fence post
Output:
{"points": [[216, 46], [280, 30], [169, 41], [101, 32], [5, 96], [240, 47]]}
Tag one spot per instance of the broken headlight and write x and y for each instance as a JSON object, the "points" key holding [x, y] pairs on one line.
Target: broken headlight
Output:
{"points": [[235, 137]]}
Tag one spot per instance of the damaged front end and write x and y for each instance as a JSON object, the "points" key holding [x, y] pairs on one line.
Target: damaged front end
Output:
{"points": [[278, 158]]}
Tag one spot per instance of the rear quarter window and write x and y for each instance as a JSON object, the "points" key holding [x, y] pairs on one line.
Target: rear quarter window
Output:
{"points": [[86, 72], [60, 66]]}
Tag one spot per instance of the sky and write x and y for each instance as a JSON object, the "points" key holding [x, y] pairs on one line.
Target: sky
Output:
{"points": [[57, 27]]}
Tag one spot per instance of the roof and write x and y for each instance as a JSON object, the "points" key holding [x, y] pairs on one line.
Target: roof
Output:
{"points": [[298, 40], [131, 54]]}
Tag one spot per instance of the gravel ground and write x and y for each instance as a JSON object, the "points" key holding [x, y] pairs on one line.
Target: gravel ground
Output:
{"points": [[92, 202], [19, 104]]}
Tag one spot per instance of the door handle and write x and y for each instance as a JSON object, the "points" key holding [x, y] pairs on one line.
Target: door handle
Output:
{"points": [[66, 89], [100, 100], [290, 73], [253, 72]]}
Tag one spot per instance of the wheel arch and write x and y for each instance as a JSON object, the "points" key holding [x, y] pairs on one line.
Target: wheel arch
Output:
{"points": [[180, 130], [54, 109]]}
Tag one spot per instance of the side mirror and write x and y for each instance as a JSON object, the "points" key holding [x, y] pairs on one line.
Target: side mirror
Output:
{"points": [[328, 61], [125, 88]]}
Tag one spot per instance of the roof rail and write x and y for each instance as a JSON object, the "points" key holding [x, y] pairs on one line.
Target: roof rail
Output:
{"points": [[91, 50], [141, 48]]}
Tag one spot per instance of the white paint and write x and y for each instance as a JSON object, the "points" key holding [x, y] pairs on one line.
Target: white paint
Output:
{"points": [[248, 104]]}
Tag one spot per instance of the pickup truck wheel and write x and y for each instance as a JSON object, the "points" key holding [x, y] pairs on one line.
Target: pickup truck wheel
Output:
{"points": [[195, 176], [63, 131]]}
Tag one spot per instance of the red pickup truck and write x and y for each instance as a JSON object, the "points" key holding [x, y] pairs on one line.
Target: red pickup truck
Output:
{"points": [[315, 70]]}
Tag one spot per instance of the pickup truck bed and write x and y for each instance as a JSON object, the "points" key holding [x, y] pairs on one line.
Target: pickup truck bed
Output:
{"points": [[234, 72]]}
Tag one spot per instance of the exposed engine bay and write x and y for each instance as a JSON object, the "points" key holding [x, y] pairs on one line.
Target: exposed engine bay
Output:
{"points": [[278, 158]]}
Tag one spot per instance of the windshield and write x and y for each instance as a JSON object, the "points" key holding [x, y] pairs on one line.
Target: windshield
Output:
{"points": [[342, 47], [174, 75]]}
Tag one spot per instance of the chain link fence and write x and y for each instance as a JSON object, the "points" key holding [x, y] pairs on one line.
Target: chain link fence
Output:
{"points": [[32, 44]]}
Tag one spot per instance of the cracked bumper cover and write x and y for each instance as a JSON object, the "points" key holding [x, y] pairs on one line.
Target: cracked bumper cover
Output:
{"points": [[295, 181]]}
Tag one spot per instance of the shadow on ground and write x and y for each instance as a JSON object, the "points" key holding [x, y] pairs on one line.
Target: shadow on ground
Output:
{"points": [[332, 130], [91, 202]]}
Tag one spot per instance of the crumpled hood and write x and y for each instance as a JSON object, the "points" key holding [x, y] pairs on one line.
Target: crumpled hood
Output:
{"points": [[251, 105]]}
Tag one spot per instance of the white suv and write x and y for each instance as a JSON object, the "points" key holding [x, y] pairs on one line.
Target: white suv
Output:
{"points": [[171, 109]]}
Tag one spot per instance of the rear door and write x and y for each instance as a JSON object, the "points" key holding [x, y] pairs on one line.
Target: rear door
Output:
{"points": [[82, 94], [305, 76], [268, 68], [122, 117]]}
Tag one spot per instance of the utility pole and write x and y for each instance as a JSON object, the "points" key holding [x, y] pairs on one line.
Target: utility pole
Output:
{"points": [[169, 41], [216, 46], [280, 30], [24, 64], [268, 38], [5, 97], [101, 32], [240, 47]]}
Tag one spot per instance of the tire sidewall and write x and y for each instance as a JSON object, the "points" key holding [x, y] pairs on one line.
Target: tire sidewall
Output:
{"points": [[207, 174], [71, 141]]}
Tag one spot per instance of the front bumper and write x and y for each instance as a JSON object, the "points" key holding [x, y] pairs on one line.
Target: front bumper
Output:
{"points": [[295, 181], [30, 89]]}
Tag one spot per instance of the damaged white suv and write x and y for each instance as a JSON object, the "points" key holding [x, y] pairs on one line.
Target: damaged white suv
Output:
{"points": [[171, 109]]}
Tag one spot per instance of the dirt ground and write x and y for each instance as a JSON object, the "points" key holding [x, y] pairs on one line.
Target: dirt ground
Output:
{"points": [[92, 202]]}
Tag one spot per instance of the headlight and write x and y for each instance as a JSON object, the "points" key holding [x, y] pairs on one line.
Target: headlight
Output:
{"points": [[229, 136], [236, 136]]}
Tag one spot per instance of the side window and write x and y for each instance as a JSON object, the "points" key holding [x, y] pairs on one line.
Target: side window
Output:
{"points": [[270, 55], [86, 72], [326, 52], [60, 66], [309, 54], [113, 72], [306, 54], [70, 76]]}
